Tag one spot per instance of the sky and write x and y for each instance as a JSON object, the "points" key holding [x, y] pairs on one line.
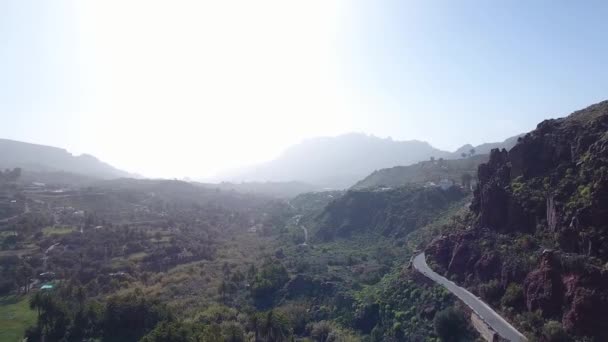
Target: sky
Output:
{"points": [[189, 88]]}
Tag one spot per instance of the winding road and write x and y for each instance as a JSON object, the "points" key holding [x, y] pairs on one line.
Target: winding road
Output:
{"points": [[493, 319]]}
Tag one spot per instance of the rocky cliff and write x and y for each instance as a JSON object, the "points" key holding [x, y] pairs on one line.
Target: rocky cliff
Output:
{"points": [[537, 243]]}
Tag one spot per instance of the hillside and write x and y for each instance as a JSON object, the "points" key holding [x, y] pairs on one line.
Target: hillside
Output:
{"points": [[272, 189], [538, 244], [42, 159], [394, 212], [423, 172]]}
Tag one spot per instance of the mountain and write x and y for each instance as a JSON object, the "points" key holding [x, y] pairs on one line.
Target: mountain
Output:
{"points": [[536, 243], [453, 167], [46, 159], [339, 162], [487, 147]]}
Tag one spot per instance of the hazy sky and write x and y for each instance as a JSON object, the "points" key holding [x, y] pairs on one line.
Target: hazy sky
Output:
{"points": [[186, 88]]}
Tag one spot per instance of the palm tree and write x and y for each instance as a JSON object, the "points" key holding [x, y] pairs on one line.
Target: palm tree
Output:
{"points": [[276, 328], [24, 275], [222, 289], [254, 324], [36, 302], [80, 297]]}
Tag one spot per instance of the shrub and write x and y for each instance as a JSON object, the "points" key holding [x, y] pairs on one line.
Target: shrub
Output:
{"points": [[451, 325], [513, 297], [554, 332], [491, 291]]}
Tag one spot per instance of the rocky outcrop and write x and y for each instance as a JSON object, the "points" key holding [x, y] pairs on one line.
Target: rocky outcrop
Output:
{"points": [[575, 295], [456, 254], [494, 203], [543, 287], [587, 310], [553, 184], [488, 267], [367, 317]]}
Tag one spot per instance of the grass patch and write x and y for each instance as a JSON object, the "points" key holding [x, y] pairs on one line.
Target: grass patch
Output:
{"points": [[15, 317], [59, 230]]}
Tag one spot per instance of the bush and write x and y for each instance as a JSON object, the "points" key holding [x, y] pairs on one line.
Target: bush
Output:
{"points": [[270, 278], [451, 325], [513, 297], [491, 291], [554, 332], [320, 331], [169, 332]]}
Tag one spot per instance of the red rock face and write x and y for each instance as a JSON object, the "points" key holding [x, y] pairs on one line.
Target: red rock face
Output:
{"points": [[497, 209], [488, 267], [440, 250], [543, 288], [554, 182], [586, 294]]}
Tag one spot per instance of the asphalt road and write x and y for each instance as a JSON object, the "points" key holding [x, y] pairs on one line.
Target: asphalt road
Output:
{"points": [[494, 320]]}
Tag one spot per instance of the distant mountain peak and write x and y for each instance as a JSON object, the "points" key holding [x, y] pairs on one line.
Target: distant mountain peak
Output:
{"points": [[339, 162]]}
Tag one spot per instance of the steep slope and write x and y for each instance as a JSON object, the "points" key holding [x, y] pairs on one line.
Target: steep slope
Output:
{"points": [[394, 212], [40, 158], [538, 245]]}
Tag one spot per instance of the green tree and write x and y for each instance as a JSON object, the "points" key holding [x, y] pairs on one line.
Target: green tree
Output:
{"points": [[320, 331], [233, 332], [169, 332], [451, 325], [24, 276], [255, 324], [80, 297], [554, 332], [513, 297], [271, 277], [129, 317], [275, 327]]}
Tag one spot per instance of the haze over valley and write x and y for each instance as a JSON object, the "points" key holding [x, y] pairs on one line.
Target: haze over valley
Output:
{"points": [[327, 171]]}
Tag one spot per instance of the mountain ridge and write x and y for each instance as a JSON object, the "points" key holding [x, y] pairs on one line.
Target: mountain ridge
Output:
{"points": [[336, 162], [42, 158]]}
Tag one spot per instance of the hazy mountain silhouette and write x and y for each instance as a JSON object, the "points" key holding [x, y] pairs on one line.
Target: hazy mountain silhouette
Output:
{"points": [[487, 147], [339, 162], [47, 159]]}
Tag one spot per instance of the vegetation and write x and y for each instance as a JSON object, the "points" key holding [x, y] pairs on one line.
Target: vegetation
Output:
{"points": [[132, 260], [423, 172], [15, 317], [451, 326]]}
